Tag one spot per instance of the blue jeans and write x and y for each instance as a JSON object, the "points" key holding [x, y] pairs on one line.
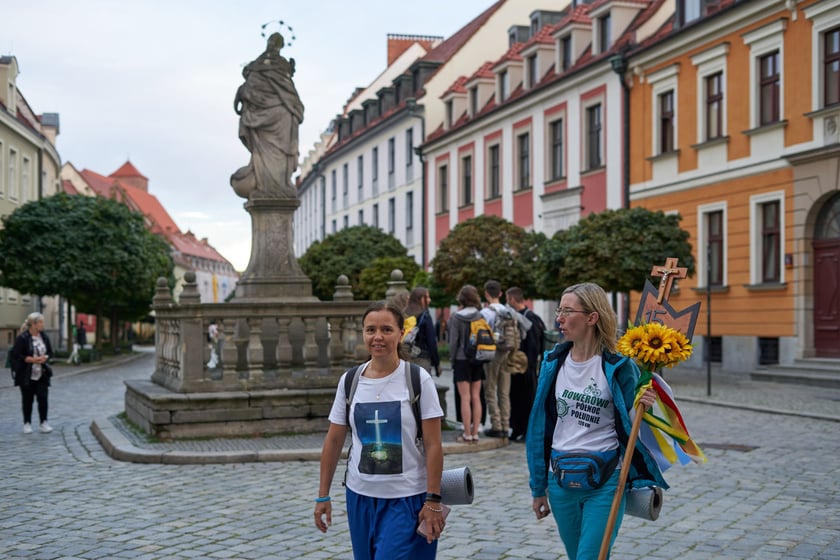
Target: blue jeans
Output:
{"points": [[386, 528], [581, 516]]}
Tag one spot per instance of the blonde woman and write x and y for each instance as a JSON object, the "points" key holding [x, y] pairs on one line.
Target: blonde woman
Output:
{"points": [[30, 354], [582, 415]]}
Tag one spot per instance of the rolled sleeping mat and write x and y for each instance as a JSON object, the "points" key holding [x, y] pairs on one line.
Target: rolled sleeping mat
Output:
{"points": [[456, 486], [644, 502]]}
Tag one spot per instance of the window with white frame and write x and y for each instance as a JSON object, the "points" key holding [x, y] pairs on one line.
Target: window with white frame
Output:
{"points": [[767, 223], [345, 185], [831, 66], [503, 85], [767, 52], [666, 121], [392, 215], [12, 174], [566, 53], [665, 103], [604, 33], [557, 170], [361, 218], [523, 161], [24, 179], [409, 210], [769, 88], [466, 181], [531, 73], [374, 171], [392, 162], [714, 105], [360, 176], [711, 246], [825, 46], [594, 142], [334, 182], [443, 189], [494, 174], [711, 92]]}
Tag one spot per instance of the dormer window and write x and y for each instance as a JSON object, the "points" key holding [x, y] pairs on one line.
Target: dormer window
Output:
{"points": [[566, 52], [604, 35], [473, 100], [504, 86], [450, 112], [531, 72]]}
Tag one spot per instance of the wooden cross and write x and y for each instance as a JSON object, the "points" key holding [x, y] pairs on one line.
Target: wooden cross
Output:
{"points": [[669, 272]]}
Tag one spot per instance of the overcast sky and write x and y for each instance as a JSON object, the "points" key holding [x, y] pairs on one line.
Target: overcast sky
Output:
{"points": [[153, 81]]}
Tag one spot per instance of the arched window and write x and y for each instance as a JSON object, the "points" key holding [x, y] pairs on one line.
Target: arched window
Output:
{"points": [[828, 221]]}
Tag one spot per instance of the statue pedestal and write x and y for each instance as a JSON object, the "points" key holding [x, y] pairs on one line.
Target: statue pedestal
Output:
{"points": [[273, 271]]}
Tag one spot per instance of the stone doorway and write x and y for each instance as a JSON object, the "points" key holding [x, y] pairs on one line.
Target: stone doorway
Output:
{"points": [[827, 280]]}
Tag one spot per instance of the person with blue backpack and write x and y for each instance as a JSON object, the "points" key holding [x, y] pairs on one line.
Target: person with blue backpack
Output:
{"points": [[394, 466]]}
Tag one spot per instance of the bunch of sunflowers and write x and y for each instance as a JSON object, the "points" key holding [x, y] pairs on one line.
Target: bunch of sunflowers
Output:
{"points": [[654, 346]]}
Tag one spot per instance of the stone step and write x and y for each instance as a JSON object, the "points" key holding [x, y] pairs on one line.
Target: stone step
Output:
{"points": [[818, 372]]}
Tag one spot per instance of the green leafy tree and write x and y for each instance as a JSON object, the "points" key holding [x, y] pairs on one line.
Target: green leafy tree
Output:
{"points": [[373, 280], [484, 248], [347, 252], [614, 248], [93, 251]]}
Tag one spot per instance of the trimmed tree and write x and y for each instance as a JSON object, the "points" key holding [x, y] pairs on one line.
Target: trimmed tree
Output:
{"points": [[484, 248], [93, 251], [614, 248], [347, 252], [373, 280]]}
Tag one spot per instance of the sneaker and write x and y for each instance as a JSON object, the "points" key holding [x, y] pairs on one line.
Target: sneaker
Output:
{"points": [[27, 428], [496, 433], [45, 428]]}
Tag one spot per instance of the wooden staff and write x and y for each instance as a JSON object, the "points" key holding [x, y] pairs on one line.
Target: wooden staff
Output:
{"points": [[622, 479]]}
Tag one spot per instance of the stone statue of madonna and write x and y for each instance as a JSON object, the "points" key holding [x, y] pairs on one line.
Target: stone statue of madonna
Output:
{"points": [[270, 112]]}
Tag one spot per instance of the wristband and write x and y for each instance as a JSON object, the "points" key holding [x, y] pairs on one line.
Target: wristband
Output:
{"points": [[432, 497], [322, 499]]}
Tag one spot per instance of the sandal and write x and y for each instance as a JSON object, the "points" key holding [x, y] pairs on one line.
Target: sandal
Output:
{"points": [[464, 438]]}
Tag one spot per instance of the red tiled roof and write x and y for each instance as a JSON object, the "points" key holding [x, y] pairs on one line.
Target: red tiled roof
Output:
{"points": [[101, 185], [188, 244], [67, 187], [148, 205], [543, 36], [453, 44], [127, 170], [512, 54], [485, 71], [457, 87]]}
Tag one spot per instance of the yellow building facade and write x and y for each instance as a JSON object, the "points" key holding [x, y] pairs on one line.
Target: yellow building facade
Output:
{"points": [[734, 120]]}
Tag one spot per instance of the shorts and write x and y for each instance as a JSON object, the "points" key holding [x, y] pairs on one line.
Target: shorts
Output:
{"points": [[463, 370]]}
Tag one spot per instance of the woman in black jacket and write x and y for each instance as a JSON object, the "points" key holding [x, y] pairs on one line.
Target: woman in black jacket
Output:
{"points": [[30, 353]]}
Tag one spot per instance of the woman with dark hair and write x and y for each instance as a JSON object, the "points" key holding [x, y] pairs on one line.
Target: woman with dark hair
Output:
{"points": [[426, 341], [583, 410], [29, 358], [468, 375], [393, 477]]}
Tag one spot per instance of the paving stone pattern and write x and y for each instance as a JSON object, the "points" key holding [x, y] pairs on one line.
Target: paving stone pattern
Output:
{"points": [[768, 491]]}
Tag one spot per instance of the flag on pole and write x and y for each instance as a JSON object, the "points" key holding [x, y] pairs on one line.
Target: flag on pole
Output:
{"points": [[664, 432]]}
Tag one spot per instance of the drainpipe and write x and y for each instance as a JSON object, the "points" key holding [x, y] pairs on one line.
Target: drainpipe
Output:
{"points": [[618, 62]]}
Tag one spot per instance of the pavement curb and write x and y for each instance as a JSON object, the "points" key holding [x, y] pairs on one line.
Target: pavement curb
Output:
{"points": [[754, 408], [120, 448]]}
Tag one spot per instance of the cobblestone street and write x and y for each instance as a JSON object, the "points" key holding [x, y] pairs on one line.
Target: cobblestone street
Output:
{"points": [[768, 491]]}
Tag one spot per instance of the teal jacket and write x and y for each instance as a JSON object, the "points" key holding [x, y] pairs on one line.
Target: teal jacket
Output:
{"points": [[622, 376]]}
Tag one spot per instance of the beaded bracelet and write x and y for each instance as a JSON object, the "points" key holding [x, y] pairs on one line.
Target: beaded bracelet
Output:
{"points": [[322, 499], [432, 497], [430, 508]]}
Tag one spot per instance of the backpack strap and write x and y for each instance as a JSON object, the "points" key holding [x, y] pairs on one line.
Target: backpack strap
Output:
{"points": [[412, 380], [351, 381]]}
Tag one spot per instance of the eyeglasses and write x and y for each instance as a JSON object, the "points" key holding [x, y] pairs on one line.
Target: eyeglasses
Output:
{"points": [[566, 311]]}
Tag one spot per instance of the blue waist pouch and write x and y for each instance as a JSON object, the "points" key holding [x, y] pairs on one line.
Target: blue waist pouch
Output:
{"points": [[583, 471]]}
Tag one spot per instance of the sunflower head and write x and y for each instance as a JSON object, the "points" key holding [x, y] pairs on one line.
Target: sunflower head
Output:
{"points": [[654, 346]]}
